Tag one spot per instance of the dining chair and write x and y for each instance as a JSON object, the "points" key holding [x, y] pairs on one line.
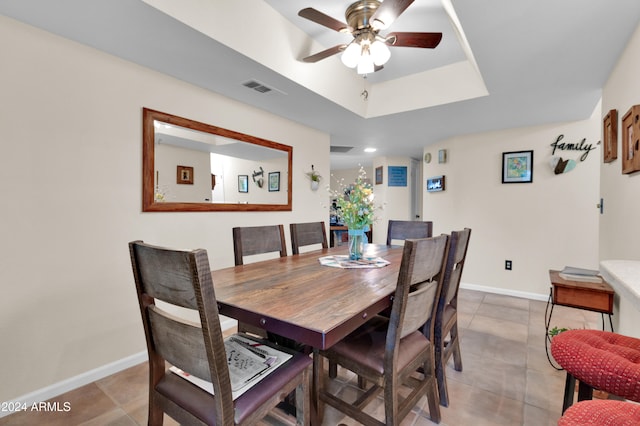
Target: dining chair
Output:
{"points": [[405, 229], [446, 337], [252, 240], [183, 279], [386, 351], [306, 234]]}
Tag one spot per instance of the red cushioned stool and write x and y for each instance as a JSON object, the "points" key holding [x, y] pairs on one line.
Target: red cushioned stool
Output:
{"points": [[600, 360], [601, 413]]}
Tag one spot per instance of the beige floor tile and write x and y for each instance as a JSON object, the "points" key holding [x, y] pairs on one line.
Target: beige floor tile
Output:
{"points": [[534, 416], [506, 301], [84, 404], [537, 306], [499, 327], [115, 417], [128, 385], [471, 295], [506, 313], [464, 319], [488, 345], [472, 406], [545, 389], [492, 375]]}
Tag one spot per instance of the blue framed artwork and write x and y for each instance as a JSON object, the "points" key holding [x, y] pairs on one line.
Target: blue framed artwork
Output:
{"points": [[274, 181], [243, 183], [397, 176], [517, 167]]}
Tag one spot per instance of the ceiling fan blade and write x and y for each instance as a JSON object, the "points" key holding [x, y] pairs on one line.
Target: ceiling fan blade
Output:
{"points": [[324, 20], [325, 53], [387, 12], [426, 40]]}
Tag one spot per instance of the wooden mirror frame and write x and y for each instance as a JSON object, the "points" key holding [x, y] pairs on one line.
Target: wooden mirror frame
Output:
{"points": [[148, 166]]}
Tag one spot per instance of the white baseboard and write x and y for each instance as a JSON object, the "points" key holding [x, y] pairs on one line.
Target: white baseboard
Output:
{"points": [[77, 381], [506, 292], [227, 323]]}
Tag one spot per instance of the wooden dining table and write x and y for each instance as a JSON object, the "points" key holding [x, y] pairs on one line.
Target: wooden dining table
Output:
{"points": [[298, 298]]}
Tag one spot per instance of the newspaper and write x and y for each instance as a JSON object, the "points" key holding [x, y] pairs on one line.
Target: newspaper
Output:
{"points": [[249, 362], [571, 273]]}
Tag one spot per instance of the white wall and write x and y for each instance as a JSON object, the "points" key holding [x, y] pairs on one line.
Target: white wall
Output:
{"points": [[549, 223], [71, 185], [396, 199], [619, 225]]}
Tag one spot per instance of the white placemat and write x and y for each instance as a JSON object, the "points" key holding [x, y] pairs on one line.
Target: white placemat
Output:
{"points": [[343, 261]]}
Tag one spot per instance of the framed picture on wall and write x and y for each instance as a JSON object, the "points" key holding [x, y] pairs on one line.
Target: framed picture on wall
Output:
{"points": [[610, 136], [435, 184], [517, 167], [379, 175], [185, 175], [243, 183], [274, 181], [631, 140], [397, 176]]}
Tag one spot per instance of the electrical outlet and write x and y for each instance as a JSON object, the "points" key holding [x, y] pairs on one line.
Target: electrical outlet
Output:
{"points": [[507, 265]]}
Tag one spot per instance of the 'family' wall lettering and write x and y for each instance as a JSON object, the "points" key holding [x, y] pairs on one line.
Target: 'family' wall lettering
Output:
{"points": [[581, 146]]}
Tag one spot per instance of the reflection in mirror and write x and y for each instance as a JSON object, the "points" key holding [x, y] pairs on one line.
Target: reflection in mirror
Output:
{"points": [[192, 166]]}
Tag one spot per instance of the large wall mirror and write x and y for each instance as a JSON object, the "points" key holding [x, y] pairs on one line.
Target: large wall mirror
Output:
{"points": [[192, 166]]}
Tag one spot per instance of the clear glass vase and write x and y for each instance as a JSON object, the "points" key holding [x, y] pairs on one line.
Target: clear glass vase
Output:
{"points": [[356, 243]]}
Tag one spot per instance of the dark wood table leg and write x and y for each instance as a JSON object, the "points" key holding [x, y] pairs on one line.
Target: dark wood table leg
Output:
{"points": [[317, 413]]}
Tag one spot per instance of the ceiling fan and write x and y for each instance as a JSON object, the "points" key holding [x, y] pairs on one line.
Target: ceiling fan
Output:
{"points": [[368, 50]]}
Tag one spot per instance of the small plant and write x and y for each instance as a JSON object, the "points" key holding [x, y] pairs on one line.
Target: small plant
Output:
{"points": [[555, 331], [313, 175]]}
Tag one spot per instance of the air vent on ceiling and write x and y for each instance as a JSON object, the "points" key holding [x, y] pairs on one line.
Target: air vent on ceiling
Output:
{"points": [[259, 86], [340, 148]]}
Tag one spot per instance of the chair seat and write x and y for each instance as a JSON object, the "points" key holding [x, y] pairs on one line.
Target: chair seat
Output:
{"points": [[366, 345], [601, 413], [602, 359], [200, 402]]}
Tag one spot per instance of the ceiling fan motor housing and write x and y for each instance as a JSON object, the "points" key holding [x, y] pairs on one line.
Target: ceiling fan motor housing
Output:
{"points": [[358, 14]]}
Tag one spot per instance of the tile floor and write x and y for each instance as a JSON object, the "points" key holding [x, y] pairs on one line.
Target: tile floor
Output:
{"points": [[507, 379]]}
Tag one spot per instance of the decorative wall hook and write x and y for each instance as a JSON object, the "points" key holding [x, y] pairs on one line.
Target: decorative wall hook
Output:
{"points": [[259, 181], [559, 166]]}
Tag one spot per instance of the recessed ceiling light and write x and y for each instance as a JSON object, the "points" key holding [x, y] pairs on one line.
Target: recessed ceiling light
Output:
{"points": [[370, 149]]}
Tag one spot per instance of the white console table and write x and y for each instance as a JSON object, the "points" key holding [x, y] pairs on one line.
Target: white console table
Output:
{"points": [[624, 277]]}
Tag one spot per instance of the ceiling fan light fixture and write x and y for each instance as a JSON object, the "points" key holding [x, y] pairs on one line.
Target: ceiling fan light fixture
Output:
{"points": [[351, 55], [379, 52], [365, 64]]}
